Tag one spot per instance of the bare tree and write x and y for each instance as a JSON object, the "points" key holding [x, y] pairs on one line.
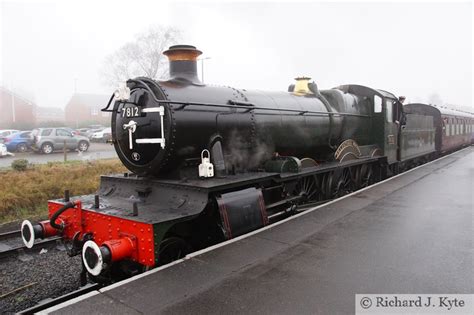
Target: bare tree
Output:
{"points": [[141, 57]]}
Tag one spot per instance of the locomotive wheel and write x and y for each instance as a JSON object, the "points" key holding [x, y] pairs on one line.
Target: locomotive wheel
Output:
{"points": [[340, 183], [365, 175], [171, 249], [307, 188]]}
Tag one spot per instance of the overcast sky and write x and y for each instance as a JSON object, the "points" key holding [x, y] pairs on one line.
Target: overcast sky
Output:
{"points": [[409, 49]]}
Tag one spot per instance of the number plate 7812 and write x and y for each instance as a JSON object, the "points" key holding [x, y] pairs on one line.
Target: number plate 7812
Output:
{"points": [[131, 111]]}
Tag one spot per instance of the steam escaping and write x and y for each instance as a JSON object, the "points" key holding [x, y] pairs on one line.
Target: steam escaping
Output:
{"points": [[241, 153]]}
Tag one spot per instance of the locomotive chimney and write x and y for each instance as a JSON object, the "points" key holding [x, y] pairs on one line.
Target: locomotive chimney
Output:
{"points": [[183, 63]]}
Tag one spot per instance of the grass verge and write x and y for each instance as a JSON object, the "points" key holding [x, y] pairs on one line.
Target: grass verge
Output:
{"points": [[25, 194]]}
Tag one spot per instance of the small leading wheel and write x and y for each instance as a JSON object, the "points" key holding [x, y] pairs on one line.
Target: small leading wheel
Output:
{"points": [[172, 248]]}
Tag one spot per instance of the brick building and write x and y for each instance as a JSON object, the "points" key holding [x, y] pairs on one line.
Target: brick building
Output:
{"points": [[84, 109], [15, 111], [49, 114]]}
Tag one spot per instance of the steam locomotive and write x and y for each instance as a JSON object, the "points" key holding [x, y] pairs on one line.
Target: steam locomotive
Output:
{"points": [[209, 163]]}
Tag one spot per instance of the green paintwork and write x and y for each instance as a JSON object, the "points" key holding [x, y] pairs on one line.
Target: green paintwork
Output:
{"points": [[283, 164], [418, 136], [159, 232], [390, 132]]}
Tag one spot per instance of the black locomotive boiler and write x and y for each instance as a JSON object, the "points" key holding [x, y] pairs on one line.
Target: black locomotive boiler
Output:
{"points": [[209, 163], [184, 117]]}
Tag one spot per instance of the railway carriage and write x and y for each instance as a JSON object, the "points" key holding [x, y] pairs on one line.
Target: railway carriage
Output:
{"points": [[455, 129]]}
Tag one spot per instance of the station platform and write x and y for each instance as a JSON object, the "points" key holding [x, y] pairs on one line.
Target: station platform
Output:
{"points": [[411, 234]]}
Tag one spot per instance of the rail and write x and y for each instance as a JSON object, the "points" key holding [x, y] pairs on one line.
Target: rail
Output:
{"points": [[61, 299], [11, 250]]}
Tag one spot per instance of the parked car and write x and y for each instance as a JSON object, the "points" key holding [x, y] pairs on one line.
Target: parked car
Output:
{"points": [[91, 132], [102, 136], [47, 140], [19, 142], [6, 132], [3, 150], [84, 131]]}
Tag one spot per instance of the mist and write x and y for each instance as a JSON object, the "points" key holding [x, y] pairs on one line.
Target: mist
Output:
{"points": [[50, 50]]}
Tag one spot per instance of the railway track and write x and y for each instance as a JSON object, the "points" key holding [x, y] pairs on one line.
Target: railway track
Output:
{"points": [[11, 234], [63, 298], [12, 244]]}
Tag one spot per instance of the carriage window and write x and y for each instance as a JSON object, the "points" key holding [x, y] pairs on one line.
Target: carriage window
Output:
{"points": [[389, 109], [377, 104], [446, 129]]}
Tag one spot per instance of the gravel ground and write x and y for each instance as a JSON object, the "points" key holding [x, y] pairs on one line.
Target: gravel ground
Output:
{"points": [[40, 276]]}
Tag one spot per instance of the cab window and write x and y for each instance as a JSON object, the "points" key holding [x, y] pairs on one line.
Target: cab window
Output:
{"points": [[389, 110], [377, 104]]}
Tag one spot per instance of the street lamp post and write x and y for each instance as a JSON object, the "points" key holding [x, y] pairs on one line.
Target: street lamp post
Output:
{"points": [[202, 67], [13, 107], [12, 103]]}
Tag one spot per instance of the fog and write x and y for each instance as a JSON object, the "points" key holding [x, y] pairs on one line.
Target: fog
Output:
{"points": [[422, 50]]}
